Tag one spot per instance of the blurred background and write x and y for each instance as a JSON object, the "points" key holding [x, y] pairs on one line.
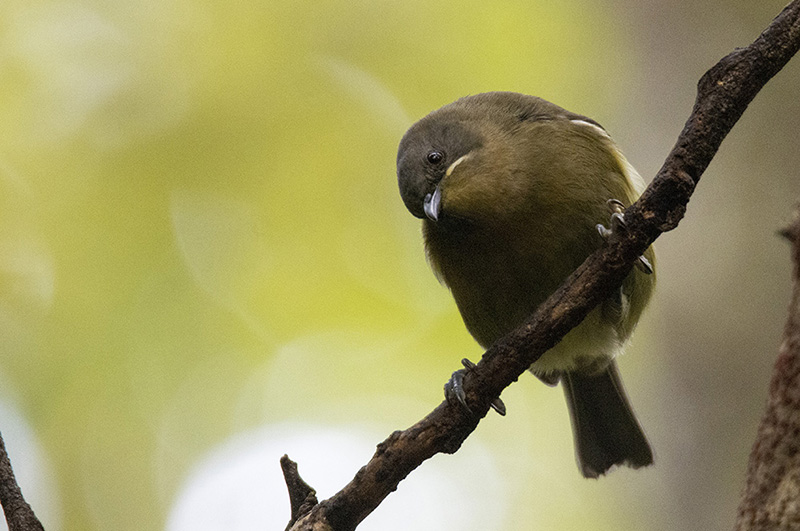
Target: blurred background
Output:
{"points": [[205, 263]]}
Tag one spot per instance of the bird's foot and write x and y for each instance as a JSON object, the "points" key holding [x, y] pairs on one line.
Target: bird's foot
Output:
{"points": [[616, 208], [617, 224], [454, 389]]}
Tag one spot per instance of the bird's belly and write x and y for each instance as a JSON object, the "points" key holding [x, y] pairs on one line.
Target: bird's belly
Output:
{"points": [[497, 290], [589, 347], [499, 306]]}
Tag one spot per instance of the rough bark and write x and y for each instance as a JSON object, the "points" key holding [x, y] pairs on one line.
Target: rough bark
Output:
{"points": [[19, 515], [771, 497]]}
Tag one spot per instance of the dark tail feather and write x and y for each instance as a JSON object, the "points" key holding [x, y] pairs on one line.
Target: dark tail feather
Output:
{"points": [[605, 429]]}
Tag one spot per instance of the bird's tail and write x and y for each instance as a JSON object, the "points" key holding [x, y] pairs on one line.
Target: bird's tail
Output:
{"points": [[605, 429]]}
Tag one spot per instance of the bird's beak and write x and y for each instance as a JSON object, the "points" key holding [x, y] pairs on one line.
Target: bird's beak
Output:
{"points": [[432, 203]]}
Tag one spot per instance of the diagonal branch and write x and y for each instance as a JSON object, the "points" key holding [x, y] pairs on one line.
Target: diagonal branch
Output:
{"points": [[723, 94]]}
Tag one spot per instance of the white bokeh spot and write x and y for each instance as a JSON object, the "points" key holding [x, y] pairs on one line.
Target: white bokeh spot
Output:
{"points": [[239, 486]]}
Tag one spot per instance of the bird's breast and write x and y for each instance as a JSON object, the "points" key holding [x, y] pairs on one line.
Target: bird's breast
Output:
{"points": [[496, 280]]}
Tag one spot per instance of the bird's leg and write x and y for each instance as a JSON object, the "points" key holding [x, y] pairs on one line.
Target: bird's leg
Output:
{"points": [[617, 224], [454, 389]]}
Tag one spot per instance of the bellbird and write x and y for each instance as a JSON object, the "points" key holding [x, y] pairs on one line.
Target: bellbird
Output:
{"points": [[511, 189]]}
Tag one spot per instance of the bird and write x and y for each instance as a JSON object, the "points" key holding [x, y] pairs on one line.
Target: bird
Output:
{"points": [[513, 192]]}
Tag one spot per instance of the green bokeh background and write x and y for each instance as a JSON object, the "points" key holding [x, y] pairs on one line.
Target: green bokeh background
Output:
{"points": [[200, 235]]}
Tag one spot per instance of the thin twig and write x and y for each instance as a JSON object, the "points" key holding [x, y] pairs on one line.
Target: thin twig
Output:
{"points": [[302, 498]]}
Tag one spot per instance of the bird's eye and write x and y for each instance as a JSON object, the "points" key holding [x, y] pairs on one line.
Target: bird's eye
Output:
{"points": [[435, 157]]}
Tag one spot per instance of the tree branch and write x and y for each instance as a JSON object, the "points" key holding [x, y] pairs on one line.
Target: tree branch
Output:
{"points": [[302, 498], [19, 514], [723, 94], [771, 498]]}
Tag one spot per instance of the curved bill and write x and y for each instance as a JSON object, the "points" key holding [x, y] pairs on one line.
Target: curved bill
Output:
{"points": [[432, 204]]}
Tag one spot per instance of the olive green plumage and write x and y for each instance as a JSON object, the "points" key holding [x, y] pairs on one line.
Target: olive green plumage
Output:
{"points": [[510, 188]]}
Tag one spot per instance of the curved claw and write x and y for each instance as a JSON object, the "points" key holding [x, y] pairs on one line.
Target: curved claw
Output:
{"points": [[618, 223], [615, 206], [604, 232], [454, 389], [644, 265], [499, 406]]}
